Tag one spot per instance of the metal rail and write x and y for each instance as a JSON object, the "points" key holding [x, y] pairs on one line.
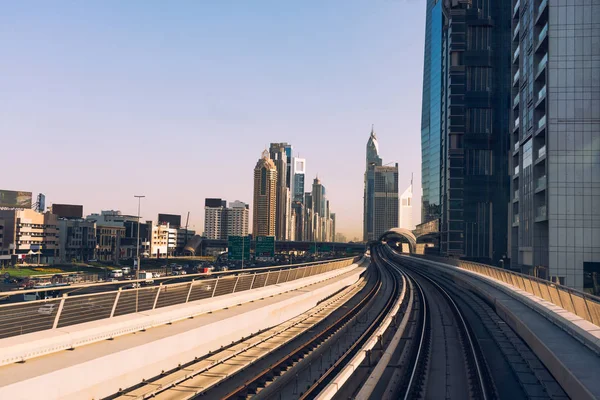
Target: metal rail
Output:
{"points": [[466, 332], [582, 304], [26, 317], [422, 338], [311, 344], [351, 356], [266, 340]]}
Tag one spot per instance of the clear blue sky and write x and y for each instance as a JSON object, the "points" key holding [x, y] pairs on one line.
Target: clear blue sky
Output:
{"points": [[101, 100]]}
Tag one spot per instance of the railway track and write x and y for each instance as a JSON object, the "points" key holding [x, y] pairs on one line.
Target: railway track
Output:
{"points": [[205, 377], [449, 344]]}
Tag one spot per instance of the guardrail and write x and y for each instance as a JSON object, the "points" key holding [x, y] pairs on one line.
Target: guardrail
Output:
{"points": [[21, 318], [579, 303]]}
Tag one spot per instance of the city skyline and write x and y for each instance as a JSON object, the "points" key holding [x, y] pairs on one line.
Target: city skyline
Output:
{"points": [[180, 99]]}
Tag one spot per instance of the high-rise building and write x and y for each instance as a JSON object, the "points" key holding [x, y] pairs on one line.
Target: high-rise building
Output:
{"points": [[215, 219], [474, 121], [298, 176], [308, 217], [385, 205], [555, 140], [280, 153], [237, 218], [381, 191], [431, 132], [406, 211], [265, 196]]}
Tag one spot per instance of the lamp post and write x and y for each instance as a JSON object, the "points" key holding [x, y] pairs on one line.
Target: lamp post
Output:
{"points": [[137, 267]]}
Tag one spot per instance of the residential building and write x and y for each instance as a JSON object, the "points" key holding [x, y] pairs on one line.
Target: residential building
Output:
{"points": [[555, 141], [265, 196], [215, 219], [406, 211], [77, 240], [164, 241], [30, 235], [431, 132], [475, 181], [280, 154], [237, 219]]}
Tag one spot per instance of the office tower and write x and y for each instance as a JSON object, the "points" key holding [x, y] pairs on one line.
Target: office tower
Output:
{"points": [[406, 216], [381, 191], [333, 233], [298, 177], [308, 217], [475, 106], [385, 205], [265, 199], [297, 198], [279, 153], [237, 218], [215, 219], [555, 140], [431, 132]]}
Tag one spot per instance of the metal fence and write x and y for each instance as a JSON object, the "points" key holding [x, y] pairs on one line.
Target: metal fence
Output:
{"points": [[579, 303], [21, 318]]}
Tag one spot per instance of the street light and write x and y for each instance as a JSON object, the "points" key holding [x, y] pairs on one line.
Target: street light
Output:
{"points": [[137, 274]]}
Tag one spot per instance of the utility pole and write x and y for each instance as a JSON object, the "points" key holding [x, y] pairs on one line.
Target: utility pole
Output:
{"points": [[137, 269]]}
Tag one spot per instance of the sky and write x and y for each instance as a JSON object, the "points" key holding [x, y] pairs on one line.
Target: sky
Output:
{"points": [[104, 100]]}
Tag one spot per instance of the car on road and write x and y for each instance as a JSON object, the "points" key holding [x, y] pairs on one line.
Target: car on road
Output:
{"points": [[116, 273]]}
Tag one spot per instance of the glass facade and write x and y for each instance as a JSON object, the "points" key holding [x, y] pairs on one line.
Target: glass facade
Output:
{"points": [[431, 113], [475, 65], [556, 159]]}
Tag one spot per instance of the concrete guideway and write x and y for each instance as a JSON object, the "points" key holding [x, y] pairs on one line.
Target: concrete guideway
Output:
{"points": [[200, 376], [554, 334], [90, 369]]}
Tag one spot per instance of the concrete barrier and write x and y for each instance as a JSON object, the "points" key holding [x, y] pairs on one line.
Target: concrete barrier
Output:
{"points": [[96, 373], [571, 383]]}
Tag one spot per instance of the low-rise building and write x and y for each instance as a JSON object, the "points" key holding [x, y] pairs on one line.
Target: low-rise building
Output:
{"points": [[30, 235], [163, 241], [109, 238], [77, 240]]}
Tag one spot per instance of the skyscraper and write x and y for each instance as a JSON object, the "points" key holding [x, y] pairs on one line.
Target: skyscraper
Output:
{"points": [[555, 140], [385, 206], [281, 156], [297, 198], [475, 104], [406, 211], [431, 133], [265, 199], [380, 194]]}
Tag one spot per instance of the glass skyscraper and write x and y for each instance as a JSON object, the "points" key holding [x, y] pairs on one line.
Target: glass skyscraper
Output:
{"points": [[474, 122], [555, 141], [430, 113]]}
